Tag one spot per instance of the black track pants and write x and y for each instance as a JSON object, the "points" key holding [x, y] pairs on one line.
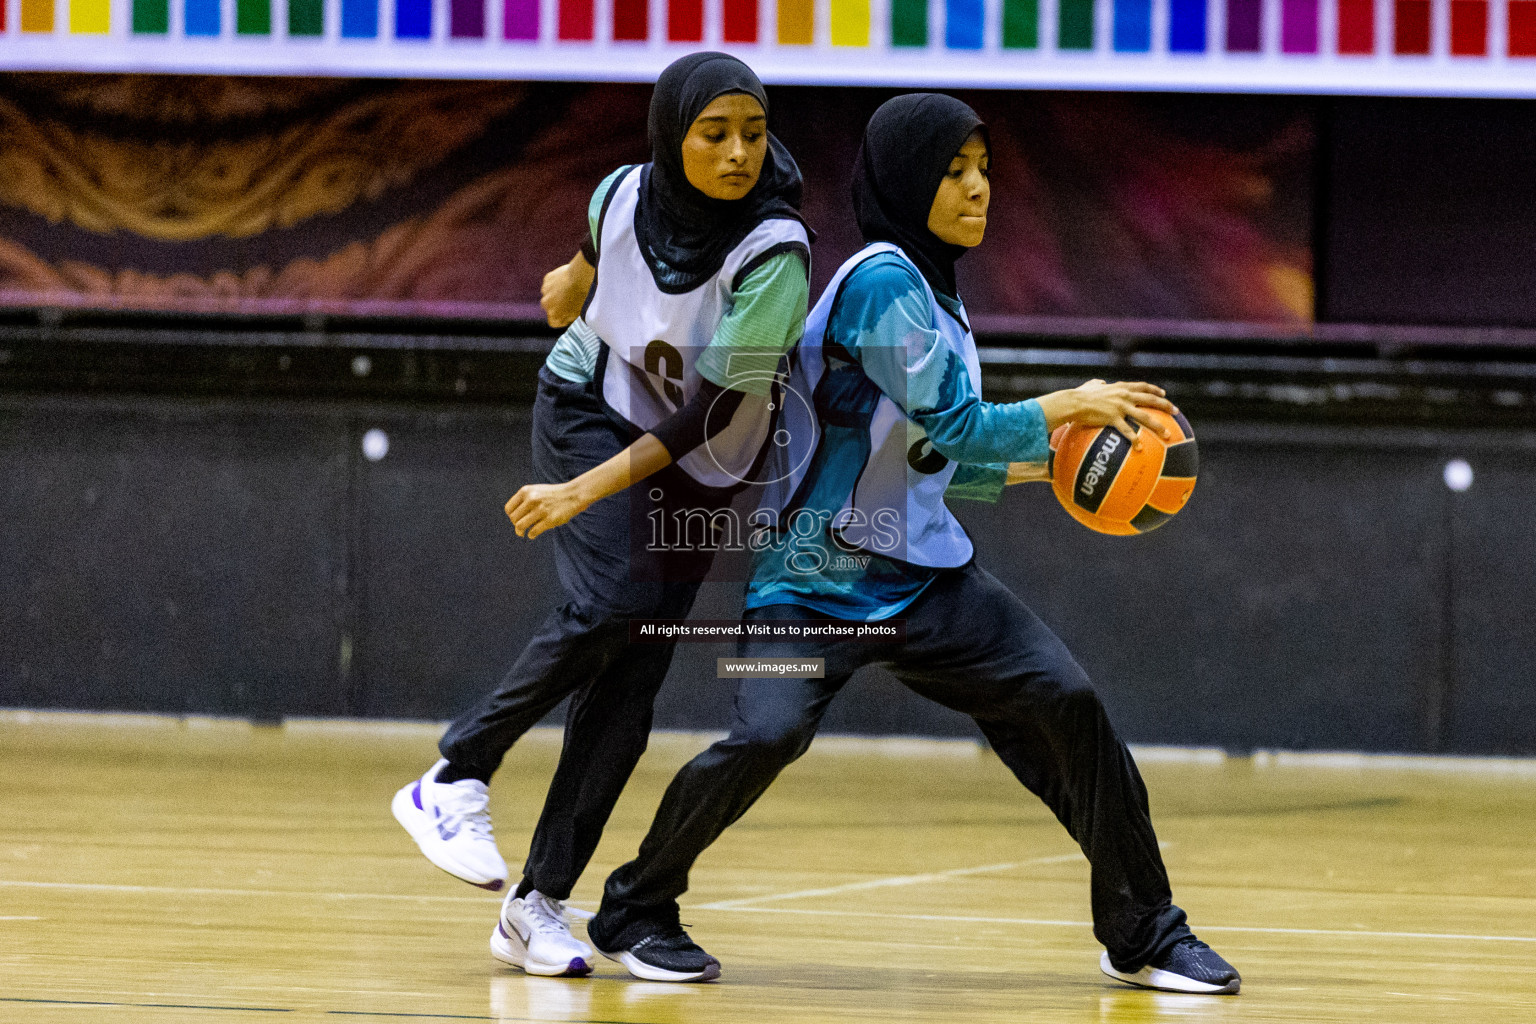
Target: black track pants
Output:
{"points": [[973, 646], [583, 647]]}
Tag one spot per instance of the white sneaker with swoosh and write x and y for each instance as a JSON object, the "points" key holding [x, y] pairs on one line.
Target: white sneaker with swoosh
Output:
{"points": [[533, 934], [451, 822]]}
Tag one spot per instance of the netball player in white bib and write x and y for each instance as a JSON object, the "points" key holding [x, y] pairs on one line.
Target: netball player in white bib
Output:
{"points": [[695, 287], [889, 370]]}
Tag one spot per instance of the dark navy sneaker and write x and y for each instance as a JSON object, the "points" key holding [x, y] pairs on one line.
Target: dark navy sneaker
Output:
{"points": [[655, 950], [1188, 966]]}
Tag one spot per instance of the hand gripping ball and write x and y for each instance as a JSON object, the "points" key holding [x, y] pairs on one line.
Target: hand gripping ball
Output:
{"points": [[1122, 487]]}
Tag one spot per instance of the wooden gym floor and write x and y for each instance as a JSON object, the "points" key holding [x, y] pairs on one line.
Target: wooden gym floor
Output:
{"points": [[159, 870]]}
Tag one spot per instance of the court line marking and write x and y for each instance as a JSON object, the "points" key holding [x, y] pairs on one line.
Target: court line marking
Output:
{"points": [[19, 917], [739, 906], [1261, 758], [885, 883], [1256, 929], [285, 1009], [432, 1016], [172, 890], [146, 1006], [465, 1016]]}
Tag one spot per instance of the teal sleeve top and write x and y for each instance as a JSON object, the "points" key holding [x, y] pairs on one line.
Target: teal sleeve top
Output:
{"points": [[884, 322]]}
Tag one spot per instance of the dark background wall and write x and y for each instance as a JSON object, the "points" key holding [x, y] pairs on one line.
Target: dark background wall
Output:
{"points": [[240, 556], [1427, 211]]}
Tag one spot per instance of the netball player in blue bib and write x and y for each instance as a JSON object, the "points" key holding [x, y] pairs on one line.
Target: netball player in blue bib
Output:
{"points": [[694, 284], [892, 418]]}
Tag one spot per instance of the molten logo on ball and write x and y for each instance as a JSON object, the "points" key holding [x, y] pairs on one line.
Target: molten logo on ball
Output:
{"points": [[1100, 463]]}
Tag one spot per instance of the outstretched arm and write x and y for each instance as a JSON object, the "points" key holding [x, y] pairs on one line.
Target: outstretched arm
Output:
{"points": [[1085, 403], [536, 508], [1101, 404]]}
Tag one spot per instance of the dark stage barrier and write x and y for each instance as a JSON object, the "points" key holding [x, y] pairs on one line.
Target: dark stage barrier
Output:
{"points": [[215, 552]]}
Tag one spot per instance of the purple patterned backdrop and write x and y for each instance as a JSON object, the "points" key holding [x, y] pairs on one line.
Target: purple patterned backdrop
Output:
{"points": [[453, 198]]}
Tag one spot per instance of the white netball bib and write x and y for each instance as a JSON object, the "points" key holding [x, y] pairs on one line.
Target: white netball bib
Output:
{"points": [[652, 338], [896, 508]]}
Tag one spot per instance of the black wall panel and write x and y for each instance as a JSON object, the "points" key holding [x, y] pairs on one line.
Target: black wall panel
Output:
{"points": [[245, 558], [1429, 212], [170, 556], [1492, 702], [1293, 603], [447, 591]]}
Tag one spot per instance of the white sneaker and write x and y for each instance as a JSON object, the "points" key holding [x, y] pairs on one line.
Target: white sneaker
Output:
{"points": [[533, 934], [451, 823]]}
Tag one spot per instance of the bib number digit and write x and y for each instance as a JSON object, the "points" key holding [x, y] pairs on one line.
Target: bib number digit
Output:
{"points": [[666, 363]]}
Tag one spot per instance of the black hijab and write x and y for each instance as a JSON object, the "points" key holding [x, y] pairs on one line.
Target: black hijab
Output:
{"points": [[684, 235], [907, 149]]}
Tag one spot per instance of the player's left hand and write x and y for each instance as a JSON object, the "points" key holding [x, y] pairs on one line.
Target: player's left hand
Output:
{"points": [[536, 508]]}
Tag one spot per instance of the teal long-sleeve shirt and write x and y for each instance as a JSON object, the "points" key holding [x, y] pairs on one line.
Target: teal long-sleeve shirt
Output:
{"points": [[885, 321]]}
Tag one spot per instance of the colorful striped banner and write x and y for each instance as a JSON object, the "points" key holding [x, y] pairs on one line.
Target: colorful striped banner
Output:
{"points": [[738, 21], [1419, 47], [685, 21], [1469, 28], [964, 24], [1021, 24], [1522, 28], [151, 17], [1186, 26], [253, 17], [520, 19], [1357, 26], [202, 17], [37, 15], [909, 22], [631, 20], [359, 19], [90, 17], [466, 19], [1298, 26], [850, 22], [1245, 19], [306, 17], [1410, 27], [1133, 26], [797, 22], [413, 19], [576, 20], [1074, 30]]}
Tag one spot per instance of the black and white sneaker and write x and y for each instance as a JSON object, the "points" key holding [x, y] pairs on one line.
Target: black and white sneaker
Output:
{"points": [[1189, 966], [653, 950]]}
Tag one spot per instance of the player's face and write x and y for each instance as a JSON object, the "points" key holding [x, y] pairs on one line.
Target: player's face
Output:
{"points": [[959, 213], [725, 146]]}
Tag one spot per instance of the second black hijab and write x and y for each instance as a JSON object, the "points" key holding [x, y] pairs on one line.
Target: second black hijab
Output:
{"points": [[908, 147], [685, 235]]}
